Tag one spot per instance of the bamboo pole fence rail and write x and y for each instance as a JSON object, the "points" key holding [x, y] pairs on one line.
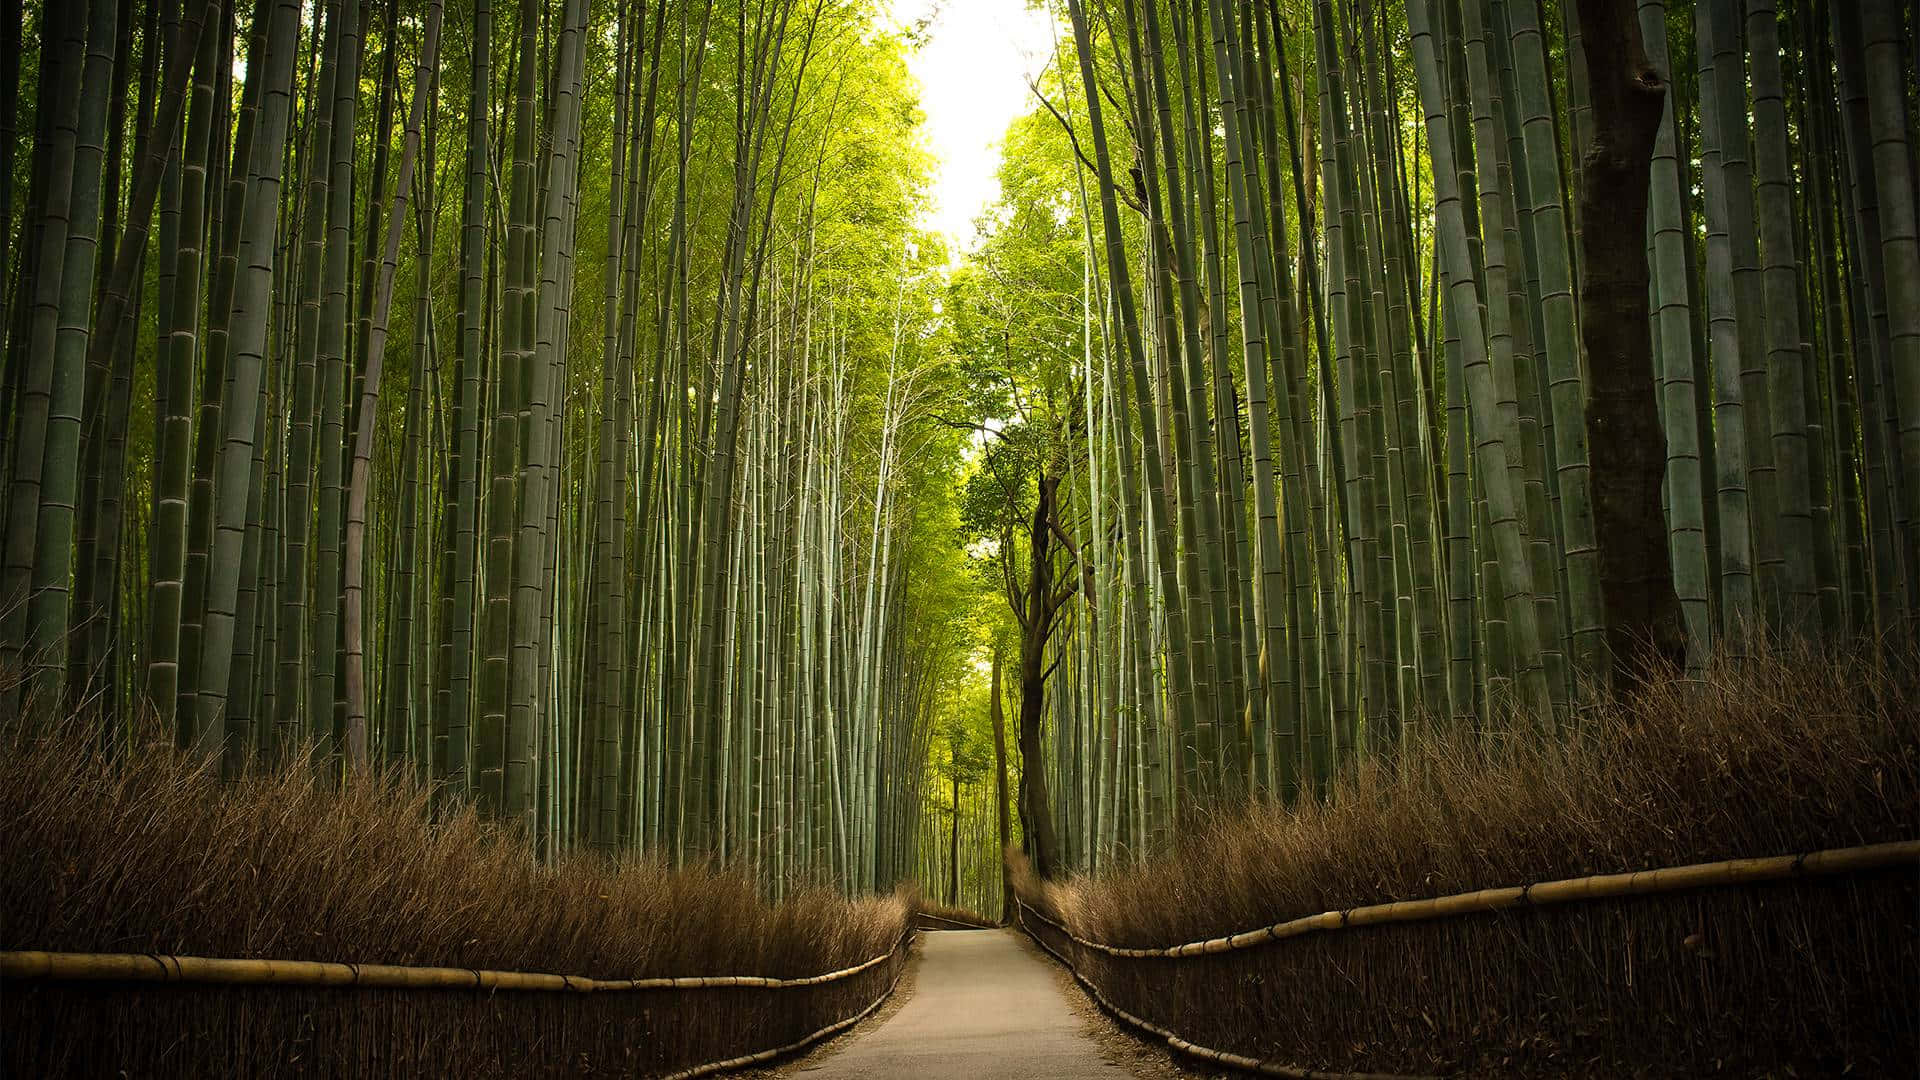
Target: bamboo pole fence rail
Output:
{"points": [[962, 923], [1569, 890], [1825, 863], [148, 967], [1173, 1040], [154, 967], [748, 1060]]}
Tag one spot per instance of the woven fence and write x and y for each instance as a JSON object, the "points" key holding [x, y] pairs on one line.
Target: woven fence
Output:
{"points": [[1802, 964], [93, 1014]]}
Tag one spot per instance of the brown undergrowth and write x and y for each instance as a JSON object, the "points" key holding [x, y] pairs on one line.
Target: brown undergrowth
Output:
{"points": [[157, 857], [952, 913], [1776, 756]]}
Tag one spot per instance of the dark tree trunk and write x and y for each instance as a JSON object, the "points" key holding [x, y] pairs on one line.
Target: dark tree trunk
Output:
{"points": [[999, 714], [1036, 626], [1628, 447]]}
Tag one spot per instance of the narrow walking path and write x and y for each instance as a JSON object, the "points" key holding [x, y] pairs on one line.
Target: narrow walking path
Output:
{"points": [[985, 1007]]}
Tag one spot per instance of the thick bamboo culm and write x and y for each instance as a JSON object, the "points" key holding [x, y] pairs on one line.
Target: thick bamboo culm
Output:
{"points": [[1184, 1046], [151, 967], [1597, 887]]}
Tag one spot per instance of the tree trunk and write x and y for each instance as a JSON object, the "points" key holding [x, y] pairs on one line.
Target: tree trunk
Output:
{"points": [[1036, 626], [1628, 449], [999, 714]]}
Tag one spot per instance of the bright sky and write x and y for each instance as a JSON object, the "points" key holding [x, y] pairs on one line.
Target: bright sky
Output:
{"points": [[973, 73]]}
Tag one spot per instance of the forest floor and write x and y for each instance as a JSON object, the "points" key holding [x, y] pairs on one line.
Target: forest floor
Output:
{"points": [[985, 1005]]}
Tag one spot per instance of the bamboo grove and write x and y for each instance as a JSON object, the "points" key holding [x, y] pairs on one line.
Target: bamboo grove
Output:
{"points": [[1321, 376], [520, 394]]}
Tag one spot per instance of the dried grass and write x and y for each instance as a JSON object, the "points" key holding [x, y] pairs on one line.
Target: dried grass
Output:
{"points": [[158, 857], [951, 913], [1780, 755]]}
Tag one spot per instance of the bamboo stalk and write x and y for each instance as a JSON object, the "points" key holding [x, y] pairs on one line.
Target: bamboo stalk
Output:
{"points": [[155, 967], [1849, 860]]}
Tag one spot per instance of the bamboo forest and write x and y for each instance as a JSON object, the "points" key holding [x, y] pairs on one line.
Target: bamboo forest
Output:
{"points": [[619, 493]]}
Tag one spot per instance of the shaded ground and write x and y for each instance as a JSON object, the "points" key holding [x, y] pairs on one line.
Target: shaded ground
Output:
{"points": [[984, 1005]]}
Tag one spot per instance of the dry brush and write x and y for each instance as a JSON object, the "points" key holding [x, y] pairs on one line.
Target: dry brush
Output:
{"points": [[1771, 757], [159, 857]]}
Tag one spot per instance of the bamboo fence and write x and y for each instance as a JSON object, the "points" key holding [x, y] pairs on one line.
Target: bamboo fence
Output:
{"points": [[1726, 872], [961, 923], [154, 967], [32, 965], [1174, 1041], [797, 1045], [1569, 890]]}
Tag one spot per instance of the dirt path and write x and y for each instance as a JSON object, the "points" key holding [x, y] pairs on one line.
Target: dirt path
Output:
{"points": [[984, 1007]]}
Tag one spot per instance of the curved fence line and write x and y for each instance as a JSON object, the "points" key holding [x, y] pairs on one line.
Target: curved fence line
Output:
{"points": [[802, 1043], [1569, 890], [140, 967], [1173, 1040], [155, 967], [955, 922]]}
